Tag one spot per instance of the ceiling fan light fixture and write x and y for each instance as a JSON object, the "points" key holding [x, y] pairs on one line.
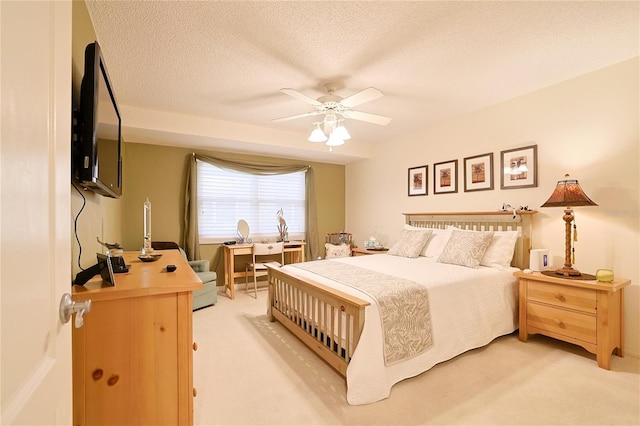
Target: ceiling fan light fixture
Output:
{"points": [[335, 140], [342, 133], [335, 108], [317, 135]]}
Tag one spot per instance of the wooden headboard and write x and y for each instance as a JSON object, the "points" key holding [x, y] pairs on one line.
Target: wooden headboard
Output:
{"points": [[483, 221]]}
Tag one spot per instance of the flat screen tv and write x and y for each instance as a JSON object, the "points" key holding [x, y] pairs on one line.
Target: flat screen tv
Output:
{"points": [[97, 154]]}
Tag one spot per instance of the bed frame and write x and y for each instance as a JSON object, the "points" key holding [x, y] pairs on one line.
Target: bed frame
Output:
{"points": [[310, 309]]}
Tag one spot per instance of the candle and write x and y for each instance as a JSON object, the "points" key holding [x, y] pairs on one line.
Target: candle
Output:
{"points": [[147, 226]]}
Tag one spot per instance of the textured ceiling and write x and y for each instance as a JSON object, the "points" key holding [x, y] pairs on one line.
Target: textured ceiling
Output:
{"points": [[208, 73]]}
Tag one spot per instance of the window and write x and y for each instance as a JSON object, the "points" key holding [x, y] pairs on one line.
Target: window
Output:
{"points": [[226, 196]]}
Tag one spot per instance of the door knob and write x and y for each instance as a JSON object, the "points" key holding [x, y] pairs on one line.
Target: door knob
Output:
{"points": [[68, 307]]}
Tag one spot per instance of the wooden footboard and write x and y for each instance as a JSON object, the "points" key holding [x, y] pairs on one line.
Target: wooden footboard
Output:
{"points": [[327, 320]]}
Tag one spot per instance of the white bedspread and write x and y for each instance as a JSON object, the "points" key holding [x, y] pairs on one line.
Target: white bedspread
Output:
{"points": [[469, 308]]}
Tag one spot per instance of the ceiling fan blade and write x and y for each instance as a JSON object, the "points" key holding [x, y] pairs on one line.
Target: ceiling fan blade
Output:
{"points": [[301, 96], [368, 117], [361, 97], [293, 117]]}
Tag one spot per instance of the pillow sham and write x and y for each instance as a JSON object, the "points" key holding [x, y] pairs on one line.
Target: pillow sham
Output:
{"points": [[418, 228], [500, 251], [436, 242], [410, 242], [333, 250], [466, 248]]}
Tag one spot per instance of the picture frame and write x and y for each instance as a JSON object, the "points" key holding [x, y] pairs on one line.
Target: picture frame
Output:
{"points": [[478, 172], [519, 167], [445, 177], [417, 181]]}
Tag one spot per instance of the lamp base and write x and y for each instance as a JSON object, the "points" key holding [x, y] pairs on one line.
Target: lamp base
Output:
{"points": [[568, 271]]}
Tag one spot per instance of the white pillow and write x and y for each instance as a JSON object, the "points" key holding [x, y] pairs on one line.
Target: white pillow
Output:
{"points": [[500, 251], [410, 242], [466, 248], [437, 242], [332, 250]]}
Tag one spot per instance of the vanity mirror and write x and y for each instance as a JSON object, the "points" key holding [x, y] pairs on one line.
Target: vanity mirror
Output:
{"points": [[243, 231]]}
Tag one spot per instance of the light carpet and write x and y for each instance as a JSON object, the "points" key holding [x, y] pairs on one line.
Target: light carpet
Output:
{"points": [[249, 371]]}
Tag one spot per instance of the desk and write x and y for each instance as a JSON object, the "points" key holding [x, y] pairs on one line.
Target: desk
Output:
{"points": [[294, 248]]}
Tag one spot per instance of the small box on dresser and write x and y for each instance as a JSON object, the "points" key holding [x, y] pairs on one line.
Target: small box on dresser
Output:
{"points": [[583, 312]]}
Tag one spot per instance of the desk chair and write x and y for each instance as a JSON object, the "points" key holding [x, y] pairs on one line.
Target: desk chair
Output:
{"points": [[263, 254]]}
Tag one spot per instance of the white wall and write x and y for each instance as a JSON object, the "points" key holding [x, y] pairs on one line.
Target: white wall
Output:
{"points": [[587, 127]]}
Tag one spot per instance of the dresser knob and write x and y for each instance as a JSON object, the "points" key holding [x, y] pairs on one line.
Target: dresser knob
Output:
{"points": [[113, 380], [195, 346], [195, 392], [559, 296], [558, 322]]}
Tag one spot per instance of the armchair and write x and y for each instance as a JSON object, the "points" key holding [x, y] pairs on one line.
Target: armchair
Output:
{"points": [[338, 244], [206, 296]]}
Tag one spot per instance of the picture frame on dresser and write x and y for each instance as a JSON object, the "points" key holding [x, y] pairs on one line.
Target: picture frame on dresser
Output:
{"points": [[478, 172], [519, 167], [445, 177], [418, 180]]}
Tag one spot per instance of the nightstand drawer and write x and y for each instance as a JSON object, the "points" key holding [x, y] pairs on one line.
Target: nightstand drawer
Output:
{"points": [[560, 321], [564, 296]]}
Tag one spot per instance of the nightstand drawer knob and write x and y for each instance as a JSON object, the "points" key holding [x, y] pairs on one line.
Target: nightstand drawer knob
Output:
{"points": [[559, 296], [558, 322]]}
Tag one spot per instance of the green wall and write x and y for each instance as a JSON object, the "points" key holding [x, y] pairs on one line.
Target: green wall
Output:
{"points": [[159, 172]]}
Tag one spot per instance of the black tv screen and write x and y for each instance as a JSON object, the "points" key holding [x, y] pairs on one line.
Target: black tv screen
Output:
{"points": [[98, 159]]}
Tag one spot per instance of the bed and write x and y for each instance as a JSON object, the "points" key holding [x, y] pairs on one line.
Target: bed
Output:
{"points": [[352, 312]]}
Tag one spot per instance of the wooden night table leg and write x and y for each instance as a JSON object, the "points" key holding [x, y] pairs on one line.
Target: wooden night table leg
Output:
{"points": [[522, 333], [619, 350]]}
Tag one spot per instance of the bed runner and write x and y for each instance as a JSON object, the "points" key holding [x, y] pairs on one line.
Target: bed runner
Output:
{"points": [[403, 306]]}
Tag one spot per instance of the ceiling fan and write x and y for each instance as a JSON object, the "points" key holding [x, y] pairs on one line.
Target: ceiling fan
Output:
{"points": [[331, 105]]}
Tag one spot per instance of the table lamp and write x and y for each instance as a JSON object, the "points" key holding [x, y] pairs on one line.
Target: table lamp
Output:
{"points": [[568, 194]]}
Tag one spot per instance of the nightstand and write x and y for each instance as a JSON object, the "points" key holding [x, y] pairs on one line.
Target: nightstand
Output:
{"points": [[358, 251], [583, 312]]}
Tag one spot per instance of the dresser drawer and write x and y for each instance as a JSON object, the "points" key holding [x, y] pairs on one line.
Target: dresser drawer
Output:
{"points": [[560, 321], [580, 299]]}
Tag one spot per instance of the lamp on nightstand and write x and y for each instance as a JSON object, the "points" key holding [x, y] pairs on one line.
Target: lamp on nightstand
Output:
{"points": [[568, 194]]}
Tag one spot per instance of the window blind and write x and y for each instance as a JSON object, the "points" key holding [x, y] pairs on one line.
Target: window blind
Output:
{"points": [[226, 196]]}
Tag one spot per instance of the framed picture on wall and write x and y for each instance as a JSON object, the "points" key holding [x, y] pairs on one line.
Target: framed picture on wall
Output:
{"points": [[445, 177], [418, 180], [518, 167], [478, 172]]}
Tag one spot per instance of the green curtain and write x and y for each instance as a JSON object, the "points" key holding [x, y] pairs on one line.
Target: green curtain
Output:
{"points": [[190, 239]]}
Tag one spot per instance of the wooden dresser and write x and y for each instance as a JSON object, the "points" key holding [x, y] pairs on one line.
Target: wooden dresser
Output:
{"points": [[133, 357], [583, 312]]}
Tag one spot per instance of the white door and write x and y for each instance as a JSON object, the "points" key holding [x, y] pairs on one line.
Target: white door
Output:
{"points": [[35, 231]]}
